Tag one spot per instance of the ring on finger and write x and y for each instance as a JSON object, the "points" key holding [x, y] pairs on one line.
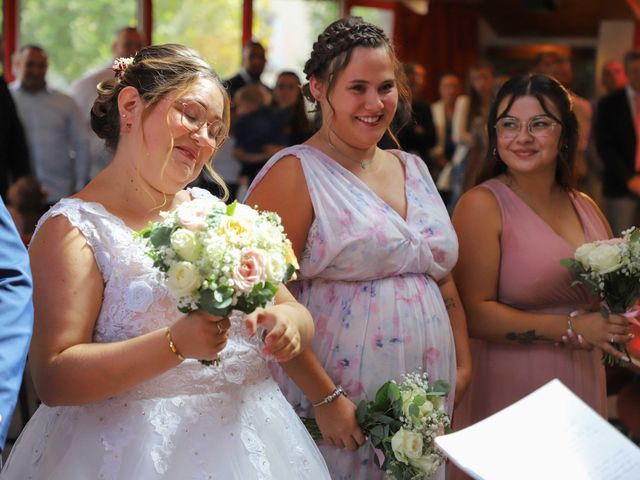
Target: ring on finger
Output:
{"points": [[220, 329], [611, 339]]}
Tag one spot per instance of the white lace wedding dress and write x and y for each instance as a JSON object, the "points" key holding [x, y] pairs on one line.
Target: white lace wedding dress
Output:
{"points": [[192, 422]]}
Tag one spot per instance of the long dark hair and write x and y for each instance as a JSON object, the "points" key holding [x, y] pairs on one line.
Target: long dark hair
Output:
{"points": [[546, 90]]}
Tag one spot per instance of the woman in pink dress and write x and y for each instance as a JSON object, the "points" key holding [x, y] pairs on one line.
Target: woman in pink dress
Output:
{"points": [[531, 324], [375, 243]]}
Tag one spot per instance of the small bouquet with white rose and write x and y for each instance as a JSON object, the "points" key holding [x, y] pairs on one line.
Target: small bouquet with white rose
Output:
{"points": [[402, 423], [220, 258], [611, 270]]}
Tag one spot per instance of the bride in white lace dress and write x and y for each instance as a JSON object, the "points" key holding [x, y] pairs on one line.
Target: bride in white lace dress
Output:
{"points": [[109, 345]]}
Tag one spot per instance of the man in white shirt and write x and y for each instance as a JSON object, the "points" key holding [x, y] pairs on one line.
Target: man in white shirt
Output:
{"points": [[84, 91], [55, 132]]}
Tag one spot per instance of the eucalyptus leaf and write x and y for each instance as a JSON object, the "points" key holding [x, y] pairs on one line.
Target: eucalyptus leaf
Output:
{"points": [[161, 237]]}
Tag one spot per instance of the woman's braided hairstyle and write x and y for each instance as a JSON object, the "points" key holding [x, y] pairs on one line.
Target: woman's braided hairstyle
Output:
{"points": [[332, 52]]}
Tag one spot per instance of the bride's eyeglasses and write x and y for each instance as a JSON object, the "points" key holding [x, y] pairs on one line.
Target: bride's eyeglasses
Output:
{"points": [[194, 117], [508, 128]]}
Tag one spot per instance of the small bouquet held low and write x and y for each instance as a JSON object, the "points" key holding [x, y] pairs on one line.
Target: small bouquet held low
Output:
{"points": [[402, 423], [220, 258], [611, 270]]}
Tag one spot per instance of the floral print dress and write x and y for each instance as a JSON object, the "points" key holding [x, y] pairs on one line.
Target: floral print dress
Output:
{"points": [[369, 276]]}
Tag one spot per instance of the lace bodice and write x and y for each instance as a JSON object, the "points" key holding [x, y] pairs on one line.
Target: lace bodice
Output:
{"points": [[191, 422], [136, 301]]}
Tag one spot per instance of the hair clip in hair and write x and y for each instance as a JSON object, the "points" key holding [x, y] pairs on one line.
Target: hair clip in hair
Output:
{"points": [[120, 66]]}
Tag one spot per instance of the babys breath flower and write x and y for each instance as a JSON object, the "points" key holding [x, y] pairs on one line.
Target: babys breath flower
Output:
{"points": [[183, 279], [185, 243], [215, 247], [406, 445], [249, 271]]}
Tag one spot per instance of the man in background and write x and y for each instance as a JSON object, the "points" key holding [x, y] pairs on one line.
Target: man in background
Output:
{"points": [[14, 154], [55, 131], [613, 76], [127, 42], [617, 134], [254, 60]]}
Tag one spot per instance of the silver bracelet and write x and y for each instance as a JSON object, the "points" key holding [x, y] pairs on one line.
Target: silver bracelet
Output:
{"points": [[332, 396], [570, 317]]}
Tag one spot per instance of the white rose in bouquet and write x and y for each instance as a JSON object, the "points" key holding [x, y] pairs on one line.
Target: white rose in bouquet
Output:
{"points": [[183, 279], [605, 258], [246, 213], [275, 265], [582, 253], [406, 445], [427, 463], [185, 243]]}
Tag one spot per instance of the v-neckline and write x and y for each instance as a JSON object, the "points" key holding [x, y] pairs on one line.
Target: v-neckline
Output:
{"points": [[368, 189], [572, 199]]}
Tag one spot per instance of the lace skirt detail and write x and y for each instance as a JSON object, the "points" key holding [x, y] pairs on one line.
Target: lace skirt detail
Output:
{"points": [[251, 434]]}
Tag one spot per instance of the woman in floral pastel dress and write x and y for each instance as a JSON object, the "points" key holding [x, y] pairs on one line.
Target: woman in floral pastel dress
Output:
{"points": [[375, 243]]}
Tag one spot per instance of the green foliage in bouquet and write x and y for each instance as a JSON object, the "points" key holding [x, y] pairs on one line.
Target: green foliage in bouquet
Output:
{"points": [[401, 423]]}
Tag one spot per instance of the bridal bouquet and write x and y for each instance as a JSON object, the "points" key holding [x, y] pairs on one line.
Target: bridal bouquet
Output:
{"points": [[402, 423], [611, 270], [219, 257]]}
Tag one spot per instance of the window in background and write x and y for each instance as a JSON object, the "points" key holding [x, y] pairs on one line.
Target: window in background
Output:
{"points": [[288, 29], [212, 27], [378, 16], [77, 35]]}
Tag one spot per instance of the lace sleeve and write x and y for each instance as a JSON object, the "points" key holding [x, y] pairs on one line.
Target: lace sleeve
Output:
{"points": [[82, 215]]}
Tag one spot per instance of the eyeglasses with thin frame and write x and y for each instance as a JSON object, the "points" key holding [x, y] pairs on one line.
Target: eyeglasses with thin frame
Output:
{"points": [[541, 126], [194, 115]]}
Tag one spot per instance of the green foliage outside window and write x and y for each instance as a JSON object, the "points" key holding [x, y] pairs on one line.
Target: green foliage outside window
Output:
{"points": [[213, 28], [77, 34]]}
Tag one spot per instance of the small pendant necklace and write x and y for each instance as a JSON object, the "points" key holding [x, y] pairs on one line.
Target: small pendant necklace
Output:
{"points": [[364, 164]]}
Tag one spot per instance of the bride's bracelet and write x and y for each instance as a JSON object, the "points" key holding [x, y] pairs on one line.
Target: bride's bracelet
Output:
{"points": [[332, 396], [172, 345]]}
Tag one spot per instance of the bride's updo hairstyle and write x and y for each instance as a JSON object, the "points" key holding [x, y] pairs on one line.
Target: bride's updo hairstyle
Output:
{"points": [[332, 52], [154, 71]]}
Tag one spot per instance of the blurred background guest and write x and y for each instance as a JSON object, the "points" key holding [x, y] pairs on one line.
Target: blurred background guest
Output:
{"points": [[54, 127], [84, 91], [449, 88]]}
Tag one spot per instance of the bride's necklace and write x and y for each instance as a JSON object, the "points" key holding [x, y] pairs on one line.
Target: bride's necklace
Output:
{"points": [[364, 164]]}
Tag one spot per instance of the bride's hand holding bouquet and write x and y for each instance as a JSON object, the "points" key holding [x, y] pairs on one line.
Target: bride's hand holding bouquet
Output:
{"points": [[217, 258]]}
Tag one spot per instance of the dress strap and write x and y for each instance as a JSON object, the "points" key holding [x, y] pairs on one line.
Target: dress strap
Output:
{"points": [[95, 224]]}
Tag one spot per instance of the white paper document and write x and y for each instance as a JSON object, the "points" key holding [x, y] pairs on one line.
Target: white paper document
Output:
{"points": [[550, 434]]}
